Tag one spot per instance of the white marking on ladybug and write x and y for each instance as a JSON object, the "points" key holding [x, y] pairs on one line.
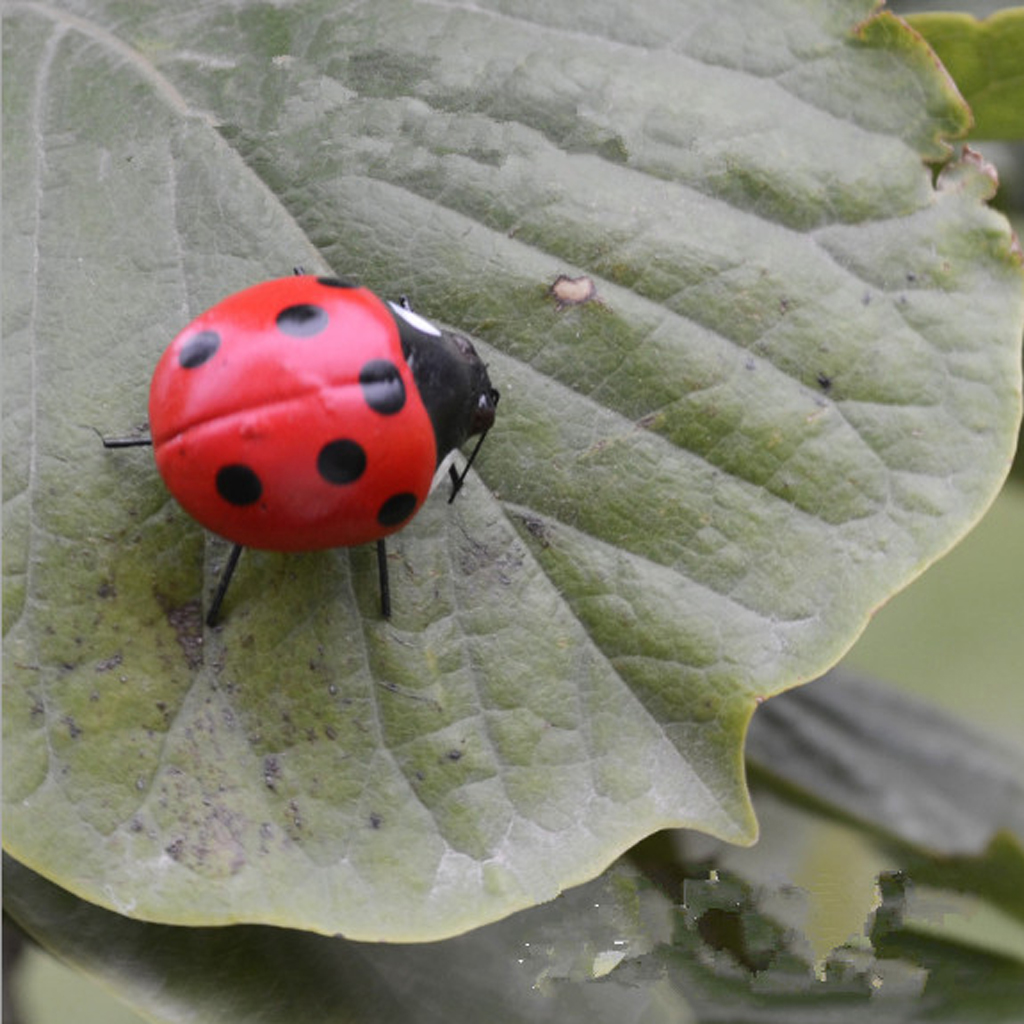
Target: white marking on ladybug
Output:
{"points": [[415, 320]]}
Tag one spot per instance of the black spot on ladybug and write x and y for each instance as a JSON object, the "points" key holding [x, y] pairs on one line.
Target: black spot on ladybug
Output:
{"points": [[341, 462], [382, 386], [336, 282], [302, 320], [198, 350], [239, 485], [396, 509]]}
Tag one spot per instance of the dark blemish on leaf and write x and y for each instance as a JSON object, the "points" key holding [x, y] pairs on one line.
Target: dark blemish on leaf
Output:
{"points": [[475, 557], [74, 730], [573, 291], [271, 771], [112, 662], [401, 691], [537, 529], [106, 590], [376, 820], [750, 364], [187, 623], [266, 834], [176, 849], [509, 564], [454, 755], [330, 732], [824, 381]]}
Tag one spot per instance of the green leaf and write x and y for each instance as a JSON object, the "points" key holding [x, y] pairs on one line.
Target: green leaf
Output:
{"points": [[984, 58], [798, 385], [948, 795], [613, 950]]}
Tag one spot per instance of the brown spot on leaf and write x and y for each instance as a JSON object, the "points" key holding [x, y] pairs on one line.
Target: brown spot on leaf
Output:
{"points": [[187, 623], [537, 529], [573, 291], [112, 662]]}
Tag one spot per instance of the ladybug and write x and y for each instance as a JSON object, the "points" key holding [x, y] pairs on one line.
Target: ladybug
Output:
{"points": [[306, 413]]}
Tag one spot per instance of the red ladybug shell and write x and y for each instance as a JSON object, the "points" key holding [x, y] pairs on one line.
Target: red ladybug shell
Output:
{"points": [[287, 418]]}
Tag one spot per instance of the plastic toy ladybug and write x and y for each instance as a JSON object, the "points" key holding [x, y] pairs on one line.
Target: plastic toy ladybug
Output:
{"points": [[306, 413]]}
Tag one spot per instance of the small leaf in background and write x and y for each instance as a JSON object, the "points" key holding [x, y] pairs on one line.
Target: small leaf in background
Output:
{"points": [[984, 58], [948, 794]]}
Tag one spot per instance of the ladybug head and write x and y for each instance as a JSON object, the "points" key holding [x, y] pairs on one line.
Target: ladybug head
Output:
{"points": [[451, 379], [478, 385]]}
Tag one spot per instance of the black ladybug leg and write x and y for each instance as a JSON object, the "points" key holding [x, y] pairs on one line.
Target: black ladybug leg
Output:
{"points": [[125, 442], [457, 478], [385, 586], [222, 586]]}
